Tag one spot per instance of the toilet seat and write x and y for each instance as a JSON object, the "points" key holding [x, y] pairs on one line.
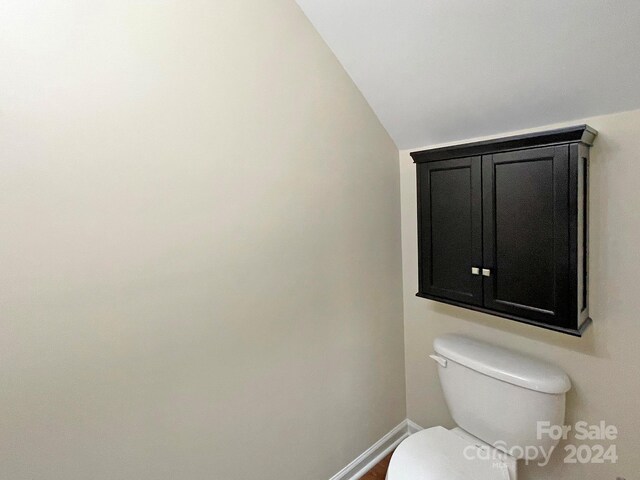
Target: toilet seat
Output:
{"points": [[439, 454]]}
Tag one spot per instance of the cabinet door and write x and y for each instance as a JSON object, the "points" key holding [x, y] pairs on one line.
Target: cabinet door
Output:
{"points": [[450, 229], [526, 233]]}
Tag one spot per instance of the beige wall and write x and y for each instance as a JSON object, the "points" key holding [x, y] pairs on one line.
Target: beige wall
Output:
{"points": [[603, 365], [200, 272]]}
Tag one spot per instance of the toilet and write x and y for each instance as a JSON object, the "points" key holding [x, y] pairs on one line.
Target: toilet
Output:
{"points": [[496, 397]]}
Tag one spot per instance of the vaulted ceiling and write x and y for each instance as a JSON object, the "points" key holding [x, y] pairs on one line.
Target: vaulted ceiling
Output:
{"points": [[441, 70]]}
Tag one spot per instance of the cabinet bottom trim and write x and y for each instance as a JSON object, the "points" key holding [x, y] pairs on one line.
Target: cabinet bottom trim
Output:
{"points": [[576, 332]]}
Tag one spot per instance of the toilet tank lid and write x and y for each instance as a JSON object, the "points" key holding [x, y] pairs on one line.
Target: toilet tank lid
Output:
{"points": [[503, 364]]}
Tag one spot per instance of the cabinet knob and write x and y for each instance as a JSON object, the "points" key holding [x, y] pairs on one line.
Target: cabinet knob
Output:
{"points": [[486, 272], [475, 271]]}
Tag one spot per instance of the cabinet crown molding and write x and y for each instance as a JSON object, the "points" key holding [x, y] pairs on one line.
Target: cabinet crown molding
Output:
{"points": [[577, 134]]}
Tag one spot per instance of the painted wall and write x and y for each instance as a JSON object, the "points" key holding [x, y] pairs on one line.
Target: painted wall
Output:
{"points": [[603, 365], [200, 264]]}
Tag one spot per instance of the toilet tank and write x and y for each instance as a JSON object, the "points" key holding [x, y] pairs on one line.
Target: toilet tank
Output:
{"points": [[499, 395]]}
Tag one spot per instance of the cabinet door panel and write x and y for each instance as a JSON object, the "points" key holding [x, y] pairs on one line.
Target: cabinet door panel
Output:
{"points": [[526, 242], [450, 229]]}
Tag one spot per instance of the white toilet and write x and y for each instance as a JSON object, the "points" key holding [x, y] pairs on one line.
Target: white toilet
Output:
{"points": [[496, 397]]}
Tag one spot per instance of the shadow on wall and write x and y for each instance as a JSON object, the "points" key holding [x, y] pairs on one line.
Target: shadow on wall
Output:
{"points": [[585, 344]]}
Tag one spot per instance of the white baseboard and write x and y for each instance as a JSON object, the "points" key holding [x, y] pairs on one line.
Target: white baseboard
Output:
{"points": [[370, 457], [413, 427]]}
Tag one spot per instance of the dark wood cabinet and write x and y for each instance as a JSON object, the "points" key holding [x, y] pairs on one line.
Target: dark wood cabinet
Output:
{"points": [[450, 196], [502, 227]]}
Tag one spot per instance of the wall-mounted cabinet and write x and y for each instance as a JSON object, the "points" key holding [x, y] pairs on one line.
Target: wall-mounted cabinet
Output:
{"points": [[502, 227]]}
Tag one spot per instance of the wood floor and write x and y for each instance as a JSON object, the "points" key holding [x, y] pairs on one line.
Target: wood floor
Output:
{"points": [[380, 470]]}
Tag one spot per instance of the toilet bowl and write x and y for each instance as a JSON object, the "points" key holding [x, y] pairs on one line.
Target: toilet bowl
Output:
{"points": [[440, 454], [497, 398]]}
